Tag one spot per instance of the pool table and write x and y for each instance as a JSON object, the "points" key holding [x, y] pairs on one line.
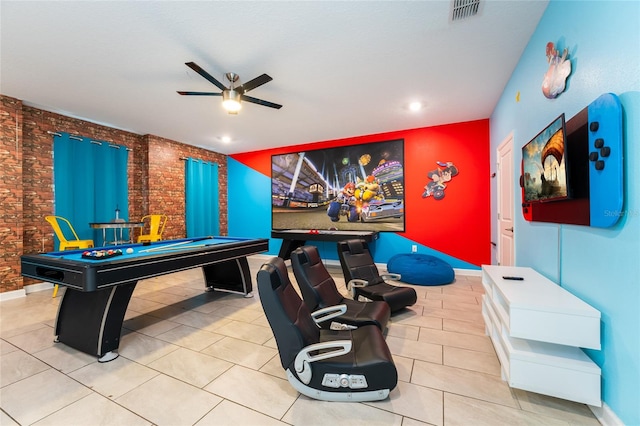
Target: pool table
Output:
{"points": [[92, 309]]}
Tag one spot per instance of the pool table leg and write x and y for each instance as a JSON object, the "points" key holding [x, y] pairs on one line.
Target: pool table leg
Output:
{"points": [[92, 321], [109, 356], [231, 276]]}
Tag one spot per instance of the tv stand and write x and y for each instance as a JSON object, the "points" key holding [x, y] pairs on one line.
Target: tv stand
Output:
{"points": [[294, 238], [537, 329]]}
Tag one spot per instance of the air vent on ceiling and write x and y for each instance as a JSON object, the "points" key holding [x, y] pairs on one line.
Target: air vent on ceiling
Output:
{"points": [[463, 9]]}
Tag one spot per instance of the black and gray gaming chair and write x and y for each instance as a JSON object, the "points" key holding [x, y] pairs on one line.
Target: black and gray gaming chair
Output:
{"points": [[319, 291], [363, 279], [330, 365]]}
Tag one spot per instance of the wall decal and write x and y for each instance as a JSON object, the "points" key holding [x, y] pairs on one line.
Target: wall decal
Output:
{"points": [[554, 81], [438, 177]]}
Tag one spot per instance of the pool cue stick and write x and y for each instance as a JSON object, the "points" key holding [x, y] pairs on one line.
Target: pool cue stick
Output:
{"points": [[184, 248], [175, 244], [165, 247]]}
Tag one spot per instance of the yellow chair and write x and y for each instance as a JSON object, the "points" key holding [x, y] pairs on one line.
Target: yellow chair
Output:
{"points": [[58, 223], [156, 227]]}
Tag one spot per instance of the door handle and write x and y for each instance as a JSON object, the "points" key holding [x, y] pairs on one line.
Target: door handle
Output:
{"points": [[509, 229]]}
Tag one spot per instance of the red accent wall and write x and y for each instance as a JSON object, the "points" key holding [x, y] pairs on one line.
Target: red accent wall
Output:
{"points": [[457, 225]]}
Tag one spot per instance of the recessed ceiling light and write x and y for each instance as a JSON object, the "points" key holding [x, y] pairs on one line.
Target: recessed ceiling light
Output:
{"points": [[225, 139], [415, 106]]}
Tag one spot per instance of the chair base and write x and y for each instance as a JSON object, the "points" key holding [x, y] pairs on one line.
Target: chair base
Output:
{"points": [[364, 396]]}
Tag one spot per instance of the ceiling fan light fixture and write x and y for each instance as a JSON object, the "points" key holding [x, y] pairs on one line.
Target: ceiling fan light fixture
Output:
{"points": [[415, 106], [230, 96], [231, 101]]}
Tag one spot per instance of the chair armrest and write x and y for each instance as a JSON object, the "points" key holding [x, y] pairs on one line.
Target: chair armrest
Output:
{"points": [[304, 358], [356, 282], [391, 276], [330, 312]]}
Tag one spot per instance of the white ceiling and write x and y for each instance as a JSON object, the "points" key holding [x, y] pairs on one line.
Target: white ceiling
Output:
{"points": [[340, 69]]}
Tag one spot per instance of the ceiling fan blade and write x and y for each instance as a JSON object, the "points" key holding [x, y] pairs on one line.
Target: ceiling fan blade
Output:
{"points": [[205, 74], [252, 84], [260, 102], [200, 93]]}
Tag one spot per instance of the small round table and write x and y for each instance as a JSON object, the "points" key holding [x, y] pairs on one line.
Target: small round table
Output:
{"points": [[117, 239]]}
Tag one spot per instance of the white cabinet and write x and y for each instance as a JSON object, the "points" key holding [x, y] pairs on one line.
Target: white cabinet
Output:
{"points": [[537, 329]]}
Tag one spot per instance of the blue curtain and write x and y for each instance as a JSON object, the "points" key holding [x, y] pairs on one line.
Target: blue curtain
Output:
{"points": [[201, 203], [90, 182]]}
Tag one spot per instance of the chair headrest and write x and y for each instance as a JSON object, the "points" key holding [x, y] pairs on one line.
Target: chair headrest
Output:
{"points": [[281, 270], [355, 246], [307, 254], [277, 271]]}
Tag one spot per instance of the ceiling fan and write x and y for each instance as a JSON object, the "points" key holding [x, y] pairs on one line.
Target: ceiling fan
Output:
{"points": [[231, 96]]}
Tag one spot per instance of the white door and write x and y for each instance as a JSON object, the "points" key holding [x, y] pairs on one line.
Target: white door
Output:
{"points": [[506, 178]]}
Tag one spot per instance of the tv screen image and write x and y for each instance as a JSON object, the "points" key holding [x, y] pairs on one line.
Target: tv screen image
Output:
{"points": [[351, 188], [545, 173]]}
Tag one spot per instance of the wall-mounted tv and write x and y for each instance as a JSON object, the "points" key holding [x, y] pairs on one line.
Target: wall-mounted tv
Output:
{"points": [[351, 188], [545, 168]]}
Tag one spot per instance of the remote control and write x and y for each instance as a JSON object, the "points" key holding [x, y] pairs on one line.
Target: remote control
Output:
{"points": [[513, 278]]}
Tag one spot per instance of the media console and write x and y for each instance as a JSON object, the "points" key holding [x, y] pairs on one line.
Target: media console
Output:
{"points": [[294, 238], [537, 329]]}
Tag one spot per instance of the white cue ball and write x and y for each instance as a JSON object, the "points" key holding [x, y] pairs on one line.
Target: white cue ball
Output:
{"points": [[129, 250]]}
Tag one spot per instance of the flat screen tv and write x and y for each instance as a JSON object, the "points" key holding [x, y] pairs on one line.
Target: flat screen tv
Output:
{"points": [[351, 188], [544, 165]]}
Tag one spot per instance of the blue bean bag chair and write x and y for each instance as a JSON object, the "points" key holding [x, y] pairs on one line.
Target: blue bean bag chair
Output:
{"points": [[421, 269]]}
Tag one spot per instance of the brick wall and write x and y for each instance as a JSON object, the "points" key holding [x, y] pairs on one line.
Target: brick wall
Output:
{"points": [[11, 193], [166, 182], [156, 180]]}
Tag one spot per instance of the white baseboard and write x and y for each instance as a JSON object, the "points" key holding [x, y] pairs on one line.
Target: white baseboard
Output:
{"points": [[468, 272], [23, 292], [381, 266], [32, 288], [605, 415], [14, 294]]}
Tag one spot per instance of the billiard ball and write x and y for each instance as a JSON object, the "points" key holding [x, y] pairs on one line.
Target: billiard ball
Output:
{"points": [[129, 250]]}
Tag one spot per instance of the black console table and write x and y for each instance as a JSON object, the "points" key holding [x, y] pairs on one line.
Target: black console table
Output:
{"points": [[294, 238]]}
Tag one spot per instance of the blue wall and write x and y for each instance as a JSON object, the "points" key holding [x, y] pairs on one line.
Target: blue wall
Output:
{"points": [[601, 266]]}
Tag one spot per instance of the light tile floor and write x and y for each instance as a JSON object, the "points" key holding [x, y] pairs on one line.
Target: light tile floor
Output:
{"points": [[194, 358]]}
